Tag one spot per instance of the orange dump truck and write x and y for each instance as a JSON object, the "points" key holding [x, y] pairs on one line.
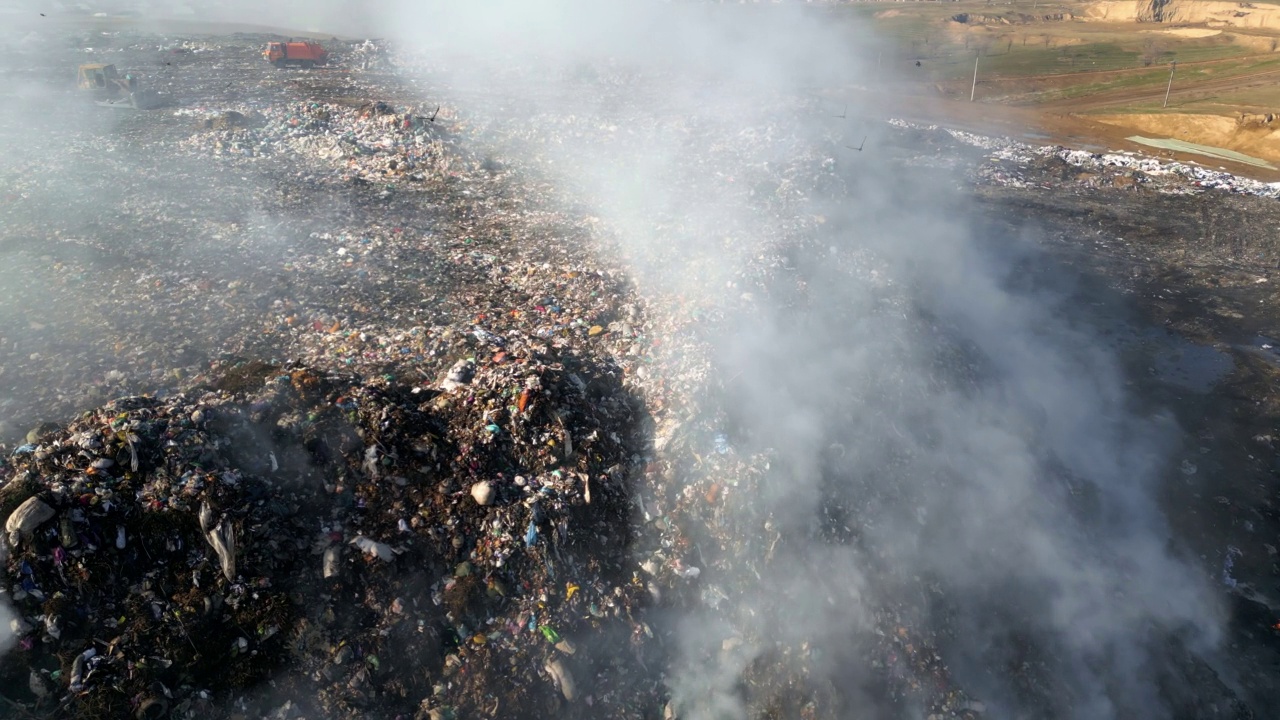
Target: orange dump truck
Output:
{"points": [[306, 54]]}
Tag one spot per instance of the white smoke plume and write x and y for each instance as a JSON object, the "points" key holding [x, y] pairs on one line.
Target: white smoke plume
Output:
{"points": [[987, 451]]}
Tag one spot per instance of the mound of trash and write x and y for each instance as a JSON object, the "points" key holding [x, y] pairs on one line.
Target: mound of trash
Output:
{"points": [[294, 543]]}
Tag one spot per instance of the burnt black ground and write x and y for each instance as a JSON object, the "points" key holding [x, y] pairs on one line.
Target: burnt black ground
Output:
{"points": [[1203, 267]]}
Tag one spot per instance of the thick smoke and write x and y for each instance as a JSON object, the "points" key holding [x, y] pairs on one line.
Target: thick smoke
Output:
{"points": [[972, 434], [113, 244]]}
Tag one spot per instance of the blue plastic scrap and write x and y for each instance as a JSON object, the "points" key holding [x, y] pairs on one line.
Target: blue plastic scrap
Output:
{"points": [[722, 444]]}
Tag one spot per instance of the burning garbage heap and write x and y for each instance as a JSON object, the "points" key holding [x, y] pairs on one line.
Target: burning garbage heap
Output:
{"points": [[361, 544], [367, 547], [471, 516]]}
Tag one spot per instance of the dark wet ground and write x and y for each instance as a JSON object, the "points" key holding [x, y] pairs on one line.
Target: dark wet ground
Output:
{"points": [[1184, 290]]}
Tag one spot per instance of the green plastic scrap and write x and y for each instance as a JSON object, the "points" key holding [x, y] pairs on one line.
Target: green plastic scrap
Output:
{"points": [[551, 635]]}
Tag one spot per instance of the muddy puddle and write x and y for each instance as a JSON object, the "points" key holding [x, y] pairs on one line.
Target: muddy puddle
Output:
{"points": [[1180, 362], [1167, 357]]}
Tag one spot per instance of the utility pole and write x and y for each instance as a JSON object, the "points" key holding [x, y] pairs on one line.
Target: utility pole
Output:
{"points": [[973, 90], [1172, 66]]}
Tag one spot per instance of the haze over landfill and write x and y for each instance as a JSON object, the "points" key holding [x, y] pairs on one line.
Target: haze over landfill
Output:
{"points": [[629, 360]]}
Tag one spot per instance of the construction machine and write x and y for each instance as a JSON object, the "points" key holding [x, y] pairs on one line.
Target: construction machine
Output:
{"points": [[96, 76], [304, 53], [112, 90]]}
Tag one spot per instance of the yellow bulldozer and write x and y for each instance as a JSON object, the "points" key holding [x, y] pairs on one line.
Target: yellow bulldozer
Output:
{"points": [[112, 90]]}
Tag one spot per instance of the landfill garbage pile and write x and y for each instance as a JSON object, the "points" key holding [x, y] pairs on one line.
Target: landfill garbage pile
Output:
{"points": [[301, 259], [707, 534], [375, 141], [498, 268], [493, 478], [1010, 163], [454, 550], [711, 548]]}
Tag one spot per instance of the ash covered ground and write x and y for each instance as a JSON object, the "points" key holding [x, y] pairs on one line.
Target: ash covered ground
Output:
{"points": [[348, 392]]}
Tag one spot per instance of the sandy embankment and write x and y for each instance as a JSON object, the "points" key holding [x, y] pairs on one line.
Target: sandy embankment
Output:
{"points": [[1214, 13], [1257, 138]]}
